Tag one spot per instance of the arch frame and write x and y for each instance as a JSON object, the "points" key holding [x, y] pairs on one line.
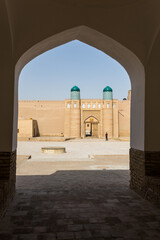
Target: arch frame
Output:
{"points": [[91, 116], [120, 53]]}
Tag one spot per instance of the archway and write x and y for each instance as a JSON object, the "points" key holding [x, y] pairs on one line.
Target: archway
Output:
{"points": [[114, 49], [126, 30], [91, 127], [109, 46]]}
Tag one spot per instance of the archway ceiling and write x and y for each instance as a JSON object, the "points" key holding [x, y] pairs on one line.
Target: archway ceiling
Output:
{"points": [[99, 3], [132, 23]]}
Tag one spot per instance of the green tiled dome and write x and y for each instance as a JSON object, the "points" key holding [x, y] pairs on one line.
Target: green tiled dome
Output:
{"points": [[107, 93], [107, 89], [75, 93], [75, 89]]}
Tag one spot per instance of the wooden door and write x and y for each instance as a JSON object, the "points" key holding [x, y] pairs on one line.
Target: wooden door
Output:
{"points": [[95, 130]]}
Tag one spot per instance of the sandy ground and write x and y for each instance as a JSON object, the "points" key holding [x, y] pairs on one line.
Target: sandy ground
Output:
{"points": [[81, 155], [77, 150]]}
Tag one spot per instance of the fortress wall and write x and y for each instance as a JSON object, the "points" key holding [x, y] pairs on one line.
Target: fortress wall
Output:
{"points": [[49, 115], [107, 122], [54, 117], [25, 128], [115, 119], [124, 118]]}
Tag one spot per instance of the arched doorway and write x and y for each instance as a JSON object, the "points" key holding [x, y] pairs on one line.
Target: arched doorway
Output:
{"points": [[109, 46], [91, 127], [134, 44], [113, 48], [100, 41]]}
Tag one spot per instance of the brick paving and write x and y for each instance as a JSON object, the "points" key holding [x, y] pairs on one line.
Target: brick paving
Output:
{"points": [[79, 204]]}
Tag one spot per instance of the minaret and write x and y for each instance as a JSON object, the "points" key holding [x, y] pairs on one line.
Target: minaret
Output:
{"points": [[107, 112], [75, 93], [107, 93], [75, 113]]}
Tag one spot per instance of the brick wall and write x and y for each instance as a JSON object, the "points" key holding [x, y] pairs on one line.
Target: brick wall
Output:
{"points": [[7, 179], [145, 173]]}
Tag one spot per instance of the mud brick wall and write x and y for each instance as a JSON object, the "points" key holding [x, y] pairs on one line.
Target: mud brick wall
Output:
{"points": [[144, 167], [7, 179], [152, 160], [137, 171]]}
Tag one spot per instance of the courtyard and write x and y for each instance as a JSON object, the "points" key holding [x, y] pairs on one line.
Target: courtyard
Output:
{"points": [[81, 194]]}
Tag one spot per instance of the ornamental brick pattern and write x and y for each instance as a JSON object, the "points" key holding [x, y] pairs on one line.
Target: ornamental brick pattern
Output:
{"points": [[145, 173], [7, 179]]}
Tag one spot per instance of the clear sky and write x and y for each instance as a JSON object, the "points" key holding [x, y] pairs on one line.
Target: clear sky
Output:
{"points": [[51, 75]]}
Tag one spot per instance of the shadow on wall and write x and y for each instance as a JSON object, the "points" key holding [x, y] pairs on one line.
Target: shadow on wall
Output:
{"points": [[37, 128]]}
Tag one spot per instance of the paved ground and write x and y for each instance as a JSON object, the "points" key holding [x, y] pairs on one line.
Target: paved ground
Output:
{"points": [[76, 149], [67, 200]]}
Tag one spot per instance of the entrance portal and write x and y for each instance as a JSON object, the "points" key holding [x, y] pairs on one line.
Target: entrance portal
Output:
{"points": [[91, 127]]}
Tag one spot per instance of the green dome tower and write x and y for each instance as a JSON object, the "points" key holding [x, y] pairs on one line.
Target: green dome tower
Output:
{"points": [[75, 93], [107, 93]]}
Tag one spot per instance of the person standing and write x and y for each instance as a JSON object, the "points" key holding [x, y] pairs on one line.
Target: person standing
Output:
{"points": [[106, 136]]}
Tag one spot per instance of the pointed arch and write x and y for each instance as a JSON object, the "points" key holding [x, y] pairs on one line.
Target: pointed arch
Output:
{"points": [[91, 119], [114, 49]]}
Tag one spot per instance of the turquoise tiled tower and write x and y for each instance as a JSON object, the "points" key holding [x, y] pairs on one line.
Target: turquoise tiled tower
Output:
{"points": [[75, 93], [107, 93]]}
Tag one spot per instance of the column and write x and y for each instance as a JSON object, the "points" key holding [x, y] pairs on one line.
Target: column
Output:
{"points": [[7, 148], [145, 162]]}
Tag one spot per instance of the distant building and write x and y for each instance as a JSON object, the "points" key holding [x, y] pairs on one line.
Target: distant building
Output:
{"points": [[75, 117]]}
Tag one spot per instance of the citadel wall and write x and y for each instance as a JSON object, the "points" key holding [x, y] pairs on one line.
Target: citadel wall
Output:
{"points": [[48, 114], [69, 117], [124, 118]]}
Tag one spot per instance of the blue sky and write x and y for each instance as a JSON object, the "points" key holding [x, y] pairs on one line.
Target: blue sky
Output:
{"points": [[51, 75]]}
